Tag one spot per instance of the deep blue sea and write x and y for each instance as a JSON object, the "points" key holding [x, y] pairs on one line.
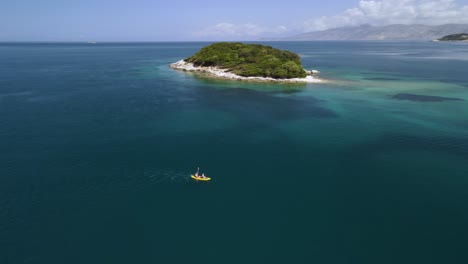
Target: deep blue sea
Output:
{"points": [[97, 142]]}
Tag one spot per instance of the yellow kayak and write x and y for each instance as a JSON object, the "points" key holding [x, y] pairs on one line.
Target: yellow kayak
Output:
{"points": [[200, 178]]}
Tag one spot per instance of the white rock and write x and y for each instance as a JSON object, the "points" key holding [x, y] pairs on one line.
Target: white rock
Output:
{"points": [[225, 74]]}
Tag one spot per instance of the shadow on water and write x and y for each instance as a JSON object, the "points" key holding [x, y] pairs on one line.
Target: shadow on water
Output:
{"points": [[289, 91]]}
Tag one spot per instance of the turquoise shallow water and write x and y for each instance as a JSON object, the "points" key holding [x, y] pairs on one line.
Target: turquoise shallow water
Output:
{"points": [[97, 143]]}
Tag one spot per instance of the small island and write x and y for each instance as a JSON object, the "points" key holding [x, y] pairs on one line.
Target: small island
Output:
{"points": [[455, 37], [254, 62]]}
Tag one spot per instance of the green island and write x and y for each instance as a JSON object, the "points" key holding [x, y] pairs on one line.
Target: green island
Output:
{"points": [[250, 60], [455, 37]]}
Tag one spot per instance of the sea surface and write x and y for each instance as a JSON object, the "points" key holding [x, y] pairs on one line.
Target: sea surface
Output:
{"points": [[97, 142]]}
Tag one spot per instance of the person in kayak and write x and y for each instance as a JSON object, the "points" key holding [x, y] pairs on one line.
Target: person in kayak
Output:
{"points": [[203, 176]]}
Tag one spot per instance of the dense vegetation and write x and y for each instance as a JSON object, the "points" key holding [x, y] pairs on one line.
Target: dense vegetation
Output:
{"points": [[462, 36], [250, 60]]}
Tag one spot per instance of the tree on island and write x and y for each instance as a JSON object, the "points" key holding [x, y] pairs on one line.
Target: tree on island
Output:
{"points": [[249, 60]]}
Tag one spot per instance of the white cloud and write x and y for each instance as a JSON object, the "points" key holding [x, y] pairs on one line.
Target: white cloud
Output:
{"points": [[238, 31], [385, 12]]}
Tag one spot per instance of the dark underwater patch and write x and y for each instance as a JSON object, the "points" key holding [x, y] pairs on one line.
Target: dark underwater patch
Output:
{"points": [[381, 79], [460, 82], [424, 98], [398, 141], [265, 105]]}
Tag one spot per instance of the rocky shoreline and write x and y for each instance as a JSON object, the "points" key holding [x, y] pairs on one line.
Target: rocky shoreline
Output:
{"points": [[225, 74]]}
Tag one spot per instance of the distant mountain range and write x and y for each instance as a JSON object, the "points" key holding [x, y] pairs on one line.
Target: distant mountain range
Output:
{"points": [[390, 32]]}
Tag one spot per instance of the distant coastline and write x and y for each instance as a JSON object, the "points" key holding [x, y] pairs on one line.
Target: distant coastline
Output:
{"points": [[225, 74], [378, 33]]}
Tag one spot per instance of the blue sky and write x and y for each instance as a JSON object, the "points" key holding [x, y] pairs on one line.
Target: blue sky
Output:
{"points": [[179, 20]]}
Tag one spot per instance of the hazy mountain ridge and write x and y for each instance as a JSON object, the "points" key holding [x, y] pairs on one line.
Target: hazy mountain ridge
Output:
{"points": [[389, 32]]}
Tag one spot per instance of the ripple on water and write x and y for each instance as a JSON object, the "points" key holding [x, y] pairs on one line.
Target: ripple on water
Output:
{"points": [[166, 176]]}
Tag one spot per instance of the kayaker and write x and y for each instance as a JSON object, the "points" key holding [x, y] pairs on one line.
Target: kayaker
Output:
{"points": [[203, 175]]}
